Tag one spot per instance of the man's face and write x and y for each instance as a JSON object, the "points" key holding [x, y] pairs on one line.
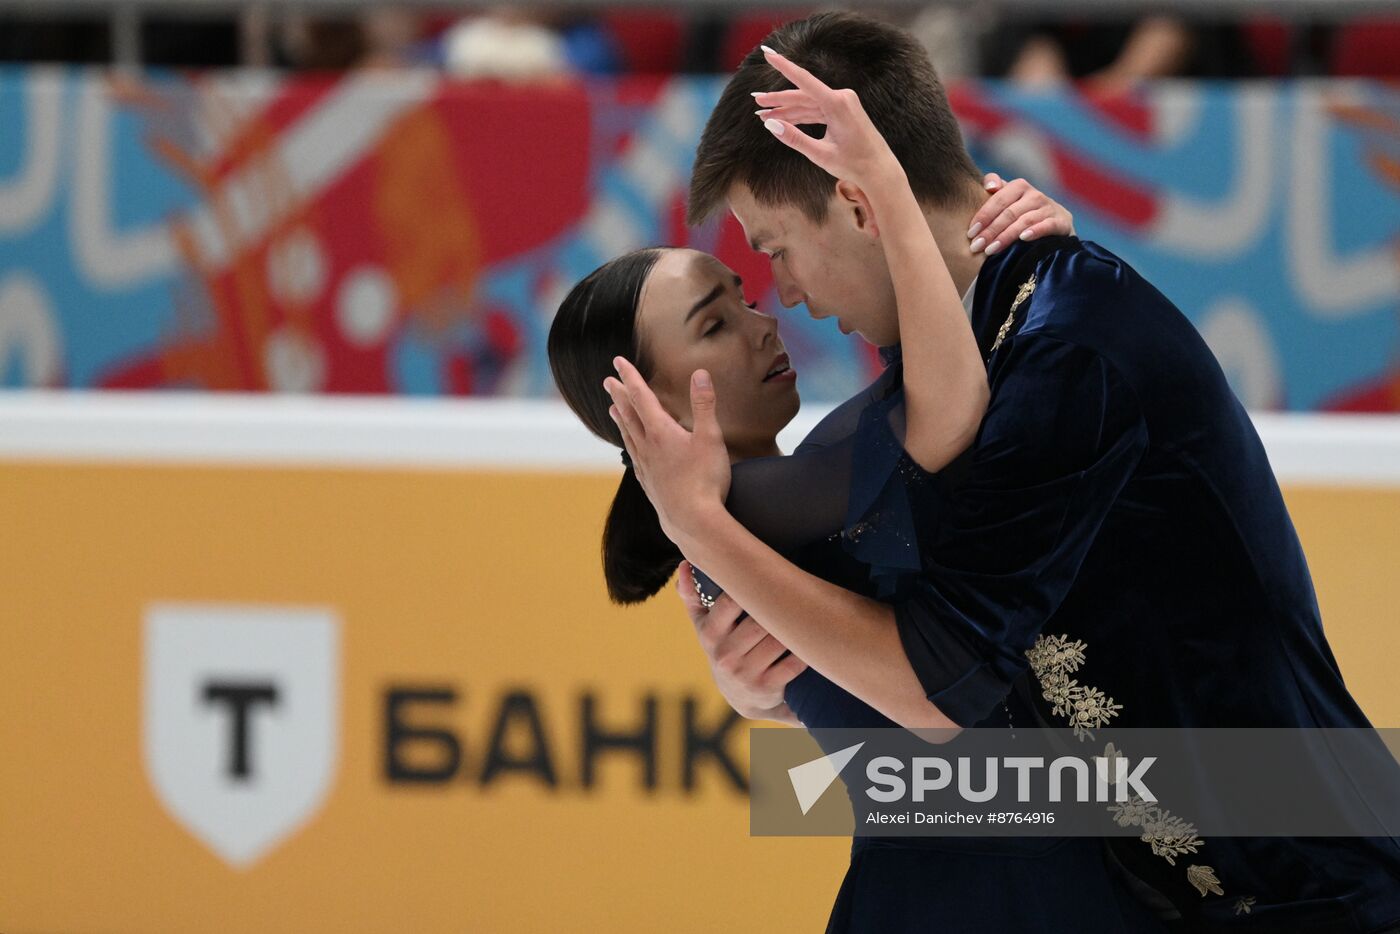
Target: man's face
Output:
{"points": [[837, 267]]}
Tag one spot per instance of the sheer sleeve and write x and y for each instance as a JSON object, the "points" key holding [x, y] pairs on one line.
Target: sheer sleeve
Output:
{"points": [[793, 500], [850, 476]]}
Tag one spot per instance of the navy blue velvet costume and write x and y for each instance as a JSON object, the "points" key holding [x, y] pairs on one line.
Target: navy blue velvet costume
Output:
{"points": [[850, 476], [1116, 539], [1117, 531]]}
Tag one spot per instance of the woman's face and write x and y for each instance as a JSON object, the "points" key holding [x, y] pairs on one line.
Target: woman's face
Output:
{"points": [[692, 316]]}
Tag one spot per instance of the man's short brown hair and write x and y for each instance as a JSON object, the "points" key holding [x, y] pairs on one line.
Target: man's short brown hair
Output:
{"points": [[897, 85]]}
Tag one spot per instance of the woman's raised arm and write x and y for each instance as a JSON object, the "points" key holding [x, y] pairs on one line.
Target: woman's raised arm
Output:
{"points": [[945, 381]]}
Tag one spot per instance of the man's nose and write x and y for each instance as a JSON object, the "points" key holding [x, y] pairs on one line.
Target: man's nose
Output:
{"points": [[788, 292]]}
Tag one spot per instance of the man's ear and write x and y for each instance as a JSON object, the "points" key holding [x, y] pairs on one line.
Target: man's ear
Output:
{"points": [[852, 203]]}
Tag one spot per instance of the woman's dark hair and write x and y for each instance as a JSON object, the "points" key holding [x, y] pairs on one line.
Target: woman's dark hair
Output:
{"points": [[598, 321]]}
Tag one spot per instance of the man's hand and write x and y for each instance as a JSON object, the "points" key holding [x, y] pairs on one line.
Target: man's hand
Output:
{"points": [[743, 657], [1016, 210], [685, 474]]}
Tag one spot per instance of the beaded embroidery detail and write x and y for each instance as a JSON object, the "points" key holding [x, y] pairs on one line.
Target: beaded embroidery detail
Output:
{"points": [[1022, 294], [1053, 659]]}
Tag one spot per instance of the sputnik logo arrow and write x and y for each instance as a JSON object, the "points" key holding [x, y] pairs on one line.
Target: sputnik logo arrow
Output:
{"points": [[810, 780]]}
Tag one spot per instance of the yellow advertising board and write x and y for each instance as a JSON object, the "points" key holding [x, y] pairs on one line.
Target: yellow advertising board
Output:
{"points": [[490, 745]]}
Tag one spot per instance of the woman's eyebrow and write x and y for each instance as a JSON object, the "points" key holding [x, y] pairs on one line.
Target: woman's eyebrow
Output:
{"points": [[710, 296]]}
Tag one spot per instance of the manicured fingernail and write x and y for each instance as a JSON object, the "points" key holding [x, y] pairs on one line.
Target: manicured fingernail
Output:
{"points": [[1028, 233], [972, 231], [702, 379], [978, 244], [768, 50], [774, 127], [993, 185], [759, 113], [617, 364], [758, 93], [993, 247]]}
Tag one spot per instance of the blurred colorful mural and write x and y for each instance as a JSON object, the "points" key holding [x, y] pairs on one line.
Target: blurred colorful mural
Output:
{"points": [[397, 232]]}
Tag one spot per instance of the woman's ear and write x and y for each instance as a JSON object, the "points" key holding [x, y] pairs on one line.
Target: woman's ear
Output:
{"points": [[853, 204]]}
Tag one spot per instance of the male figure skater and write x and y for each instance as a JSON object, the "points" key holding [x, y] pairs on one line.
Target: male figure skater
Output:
{"points": [[1115, 530]]}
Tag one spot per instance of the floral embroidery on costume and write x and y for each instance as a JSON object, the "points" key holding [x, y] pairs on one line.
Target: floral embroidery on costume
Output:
{"points": [[1203, 878], [1053, 659], [1168, 835]]}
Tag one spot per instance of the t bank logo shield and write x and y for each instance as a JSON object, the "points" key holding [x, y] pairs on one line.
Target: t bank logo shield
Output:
{"points": [[241, 721]]}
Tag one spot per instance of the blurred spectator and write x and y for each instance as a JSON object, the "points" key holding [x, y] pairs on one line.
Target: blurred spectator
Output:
{"points": [[520, 45], [1114, 55], [590, 45], [322, 43], [953, 37], [515, 42], [499, 45], [388, 37], [396, 37]]}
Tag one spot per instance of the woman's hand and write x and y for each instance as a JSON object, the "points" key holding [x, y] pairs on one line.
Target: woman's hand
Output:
{"points": [[1016, 211], [684, 473], [749, 666], [851, 150]]}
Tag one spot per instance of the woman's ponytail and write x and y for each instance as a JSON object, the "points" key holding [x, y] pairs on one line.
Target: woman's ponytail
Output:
{"points": [[638, 558], [596, 322]]}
